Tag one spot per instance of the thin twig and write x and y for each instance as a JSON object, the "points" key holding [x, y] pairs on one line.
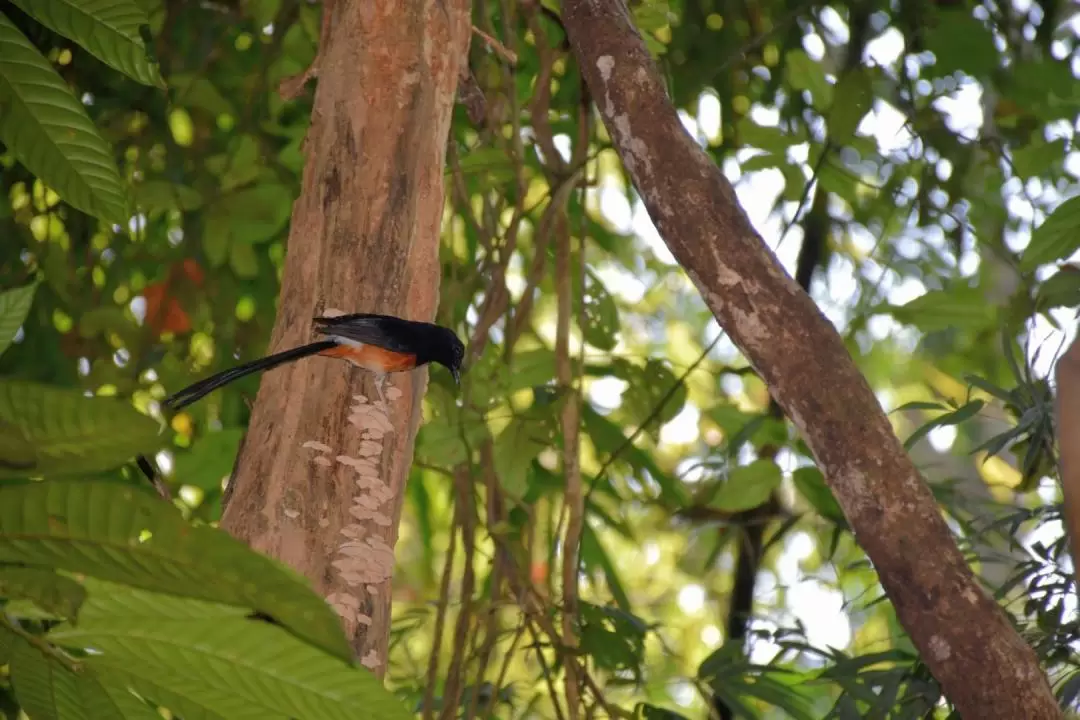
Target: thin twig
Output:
{"points": [[653, 414], [440, 618], [507, 54]]}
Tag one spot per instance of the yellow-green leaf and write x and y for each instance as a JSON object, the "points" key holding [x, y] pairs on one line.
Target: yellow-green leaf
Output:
{"points": [[48, 131]]}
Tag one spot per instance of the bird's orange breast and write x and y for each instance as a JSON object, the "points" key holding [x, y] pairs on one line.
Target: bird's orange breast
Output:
{"points": [[373, 357]]}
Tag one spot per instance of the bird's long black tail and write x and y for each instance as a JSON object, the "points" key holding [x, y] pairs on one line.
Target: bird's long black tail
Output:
{"points": [[193, 392]]}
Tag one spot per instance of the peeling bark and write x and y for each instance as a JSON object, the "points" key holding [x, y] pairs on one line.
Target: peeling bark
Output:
{"points": [[319, 481], [982, 663]]}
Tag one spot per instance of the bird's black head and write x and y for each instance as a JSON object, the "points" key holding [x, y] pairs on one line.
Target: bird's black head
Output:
{"points": [[448, 350]]}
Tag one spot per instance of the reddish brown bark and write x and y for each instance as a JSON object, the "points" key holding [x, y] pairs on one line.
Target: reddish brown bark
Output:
{"points": [[364, 238], [963, 636]]}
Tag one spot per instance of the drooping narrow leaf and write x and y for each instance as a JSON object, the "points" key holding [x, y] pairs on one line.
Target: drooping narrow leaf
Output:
{"points": [[120, 533], [47, 130], [950, 418], [70, 433], [107, 29], [14, 306]]}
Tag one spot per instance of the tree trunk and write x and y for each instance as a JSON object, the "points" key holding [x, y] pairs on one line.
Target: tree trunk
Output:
{"points": [[319, 480], [964, 637]]}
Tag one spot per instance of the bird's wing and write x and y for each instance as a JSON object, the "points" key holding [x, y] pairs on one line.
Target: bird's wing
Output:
{"points": [[385, 331]]}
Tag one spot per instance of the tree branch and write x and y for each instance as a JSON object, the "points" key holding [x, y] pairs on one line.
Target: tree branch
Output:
{"points": [[964, 637]]}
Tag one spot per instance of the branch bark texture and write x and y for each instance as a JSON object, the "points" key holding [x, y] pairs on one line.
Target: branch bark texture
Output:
{"points": [[982, 663], [319, 480]]}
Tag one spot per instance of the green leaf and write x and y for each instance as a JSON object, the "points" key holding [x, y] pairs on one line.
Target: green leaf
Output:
{"points": [[243, 260], [608, 438], [748, 486], [248, 217], [806, 74], [55, 594], [811, 484], [107, 29], [48, 689], [17, 454], [852, 99], [612, 638], [1058, 236], [48, 131], [14, 307], [1038, 157], [263, 11], [594, 556], [767, 137], [648, 386], [240, 664], [197, 702], [652, 16], [652, 712], [950, 418], [196, 90], [119, 533], [763, 161], [959, 307], [215, 243], [601, 314], [209, 459], [1062, 289], [520, 442], [73, 434], [960, 42], [161, 195], [530, 368]]}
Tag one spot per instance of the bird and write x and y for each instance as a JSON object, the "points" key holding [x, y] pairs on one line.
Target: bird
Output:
{"points": [[382, 344]]}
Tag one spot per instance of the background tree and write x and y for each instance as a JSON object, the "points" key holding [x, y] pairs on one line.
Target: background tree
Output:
{"points": [[912, 152]]}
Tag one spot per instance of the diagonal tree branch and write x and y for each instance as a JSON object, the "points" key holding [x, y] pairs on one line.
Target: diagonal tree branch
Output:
{"points": [[964, 637]]}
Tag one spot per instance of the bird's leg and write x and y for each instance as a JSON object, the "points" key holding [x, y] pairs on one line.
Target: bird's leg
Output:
{"points": [[380, 383]]}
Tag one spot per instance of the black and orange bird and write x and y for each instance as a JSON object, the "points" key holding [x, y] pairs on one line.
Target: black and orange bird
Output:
{"points": [[382, 344]]}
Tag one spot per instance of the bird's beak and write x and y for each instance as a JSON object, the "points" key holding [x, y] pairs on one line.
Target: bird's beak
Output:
{"points": [[457, 376]]}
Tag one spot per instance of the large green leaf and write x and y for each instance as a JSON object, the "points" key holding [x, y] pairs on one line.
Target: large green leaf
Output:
{"points": [[107, 29], [58, 595], [242, 664], [14, 306], [186, 695], [48, 131], [119, 533], [73, 434], [48, 689]]}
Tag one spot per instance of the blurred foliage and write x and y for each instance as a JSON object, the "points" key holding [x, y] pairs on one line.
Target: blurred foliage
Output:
{"points": [[920, 157]]}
